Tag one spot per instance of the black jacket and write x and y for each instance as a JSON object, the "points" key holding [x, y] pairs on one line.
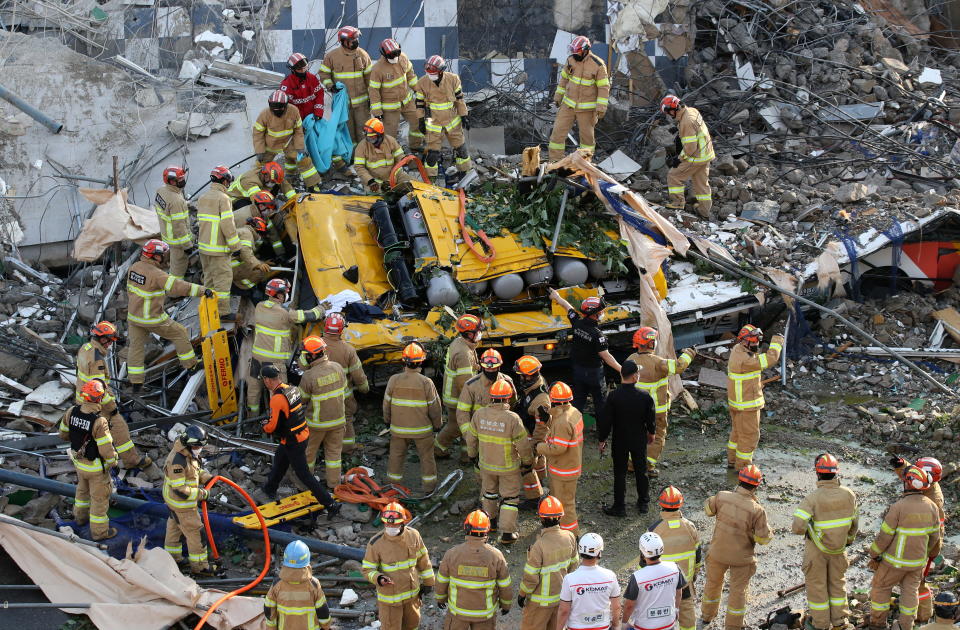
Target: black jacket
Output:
{"points": [[630, 413]]}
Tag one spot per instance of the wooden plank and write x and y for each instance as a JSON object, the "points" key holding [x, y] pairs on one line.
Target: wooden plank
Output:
{"points": [[951, 321]]}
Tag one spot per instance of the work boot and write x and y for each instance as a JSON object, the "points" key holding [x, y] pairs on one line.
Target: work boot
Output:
{"points": [[508, 538], [652, 472], [316, 188], [613, 510], [493, 525], [643, 506], [333, 510], [110, 534], [209, 571]]}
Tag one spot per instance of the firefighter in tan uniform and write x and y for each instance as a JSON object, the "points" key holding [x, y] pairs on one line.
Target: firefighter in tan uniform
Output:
{"points": [[582, 97], [296, 600], [278, 129], [741, 525], [183, 481], [268, 178], [473, 580], [324, 385], [497, 442], [829, 519], [654, 378], [476, 391], [442, 112], [218, 238], [534, 401], [342, 352], [563, 446], [745, 392], [350, 65], [694, 154], [174, 219], [248, 270], [374, 159], [391, 92], [93, 455], [459, 366], [398, 565], [273, 337], [148, 285], [681, 545], [549, 559], [908, 540], [946, 606], [411, 408]]}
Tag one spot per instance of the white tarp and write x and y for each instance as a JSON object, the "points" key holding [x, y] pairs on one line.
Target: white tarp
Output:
{"points": [[113, 221], [636, 17]]}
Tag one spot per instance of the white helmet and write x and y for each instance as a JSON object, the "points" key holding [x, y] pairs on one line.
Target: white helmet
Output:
{"points": [[651, 545], [590, 545]]}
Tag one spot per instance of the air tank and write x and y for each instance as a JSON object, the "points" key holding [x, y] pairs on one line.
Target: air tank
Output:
{"points": [[417, 232], [598, 270], [570, 271], [397, 272], [543, 275], [476, 288], [442, 290], [507, 287]]}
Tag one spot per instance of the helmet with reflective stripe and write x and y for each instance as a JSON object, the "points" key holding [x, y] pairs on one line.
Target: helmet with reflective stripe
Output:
{"points": [[527, 365], [93, 390], [334, 323], [932, 467], [550, 507], [390, 48], [751, 475], [560, 392], [651, 545], [468, 323], [276, 287], [262, 198], [590, 544], [347, 33], [916, 478], [501, 390], [946, 605], [490, 359], [105, 330], [374, 126], [750, 336], [670, 498], [645, 338], [393, 514], [414, 354], [155, 248], [296, 555], [221, 175], [580, 45], [592, 305], [477, 523], [669, 103], [271, 173], [435, 65], [295, 59], [175, 176], [278, 96], [258, 224], [194, 435], [826, 464], [314, 345]]}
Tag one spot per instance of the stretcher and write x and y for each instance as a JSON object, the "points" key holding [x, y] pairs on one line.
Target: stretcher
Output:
{"points": [[281, 511], [217, 365]]}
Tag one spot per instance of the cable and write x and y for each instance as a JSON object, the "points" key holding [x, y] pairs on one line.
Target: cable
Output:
{"points": [[462, 218]]}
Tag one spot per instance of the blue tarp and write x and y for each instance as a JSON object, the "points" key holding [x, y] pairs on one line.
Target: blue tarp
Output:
{"points": [[328, 138]]}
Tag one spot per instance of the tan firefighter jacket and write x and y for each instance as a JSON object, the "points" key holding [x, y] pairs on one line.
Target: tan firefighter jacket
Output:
{"points": [[828, 517], [403, 559], [391, 85], [474, 581], [375, 163], [350, 67], [694, 136], [99, 432], [475, 395], [410, 405], [174, 217], [342, 352], [584, 84], [549, 559], [497, 435], [563, 444], [273, 325], [91, 364], [182, 478], [460, 365], [148, 287], [278, 134], [655, 372], [745, 371], [296, 601], [442, 104], [248, 184], [909, 534], [324, 385], [681, 542], [934, 493], [245, 272], [218, 232], [741, 524]]}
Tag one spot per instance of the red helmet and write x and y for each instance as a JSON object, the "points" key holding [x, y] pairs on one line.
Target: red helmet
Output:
{"points": [[932, 467], [347, 33], [560, 392], [175, 176], [314, 345], [645, 338], [501, 390], [295, 59], [334, 323], [671, 498], [390, 48], [669, 103], [580, 45], [592, 305], [271, 173], [750, 336], [490, 359], [221, 175], [262, 198], [105, 330], [93, 390], [916, 478], [751, 475], [259, 224], [276, 287], [550, 507], [414, 354], [156, 249], [278, 96], [826, 464], [468, 323], [435, 65]]}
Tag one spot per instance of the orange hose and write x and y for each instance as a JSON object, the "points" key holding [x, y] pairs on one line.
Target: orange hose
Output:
{"points": [[466, 236], [404, 160], [216, 554]]}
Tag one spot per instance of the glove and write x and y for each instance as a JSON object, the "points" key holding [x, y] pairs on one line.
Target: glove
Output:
{"points": [[690, 351], [383, 580], [263, 157], [521, 601], [504, 611], [334, 88], [425, 590], [465, 121], [263, 268], [373, 185], [543, 414], [208, 293], [442, 605], [422, 125], [600, 114], [203, 494], [896, 461], [874, 564], [674, 162], [379, 117]]}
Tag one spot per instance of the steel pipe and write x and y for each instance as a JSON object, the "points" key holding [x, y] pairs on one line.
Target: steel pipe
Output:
{"points": [[30, 110]]}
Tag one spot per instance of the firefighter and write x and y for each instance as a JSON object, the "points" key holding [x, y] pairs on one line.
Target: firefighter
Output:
{"points": [[681, 544], [284, 605], [350, 65], [654, 376], [534, 401], [745, 392], [273, 337], [93, 455], [147, 287], [269, 178], [694, 154], [590, 596], [324, 384], [248, 270], [946, 607], [828, 519], [398, 565], [581, 97], [218, 238], [442, 112], [551, 557], [303, 88], [374, 159], [174, 219], [340, 351], [473, 579], [563, 446], [92, 364], [908, 540], [497, 442], [183, 481], [656, 591], [278, 129], [411, 408], [391, 92], [476, 391], [459, 366]]}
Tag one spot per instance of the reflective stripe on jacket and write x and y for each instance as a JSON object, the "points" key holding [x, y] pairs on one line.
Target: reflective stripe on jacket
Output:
{"points": [[828, 517], [173, 215], [473, 580], [403, 559], [442, 105], [909, 534], [745, 371], [549, 559], [460, 365], [681, 542], [218, 232], [654, 375], [273, 326], [694, 136], [497, 436], [276, 134], [390, 85], [182, 478], [296, 601], [584, 84], [91, 364], [147, 289], [563, 444], [410, 405], [476, 395], [324, 384], [350, 67]]}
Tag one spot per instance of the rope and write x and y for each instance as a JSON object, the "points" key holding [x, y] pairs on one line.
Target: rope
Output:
{"points": [[466, 236], [405, 159]]}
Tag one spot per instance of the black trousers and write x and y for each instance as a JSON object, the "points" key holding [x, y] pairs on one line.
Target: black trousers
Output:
{"points": [[293, 454], [637, 452], [588, 381]]}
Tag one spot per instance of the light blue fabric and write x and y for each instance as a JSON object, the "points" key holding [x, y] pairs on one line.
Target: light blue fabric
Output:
{"points": [[328, 138]]}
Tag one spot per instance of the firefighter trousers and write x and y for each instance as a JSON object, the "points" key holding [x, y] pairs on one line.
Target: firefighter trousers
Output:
{"points": [[93, 499], [925, 603], [500, 498], [537, 617], [532, 488], [304, 166], [398, 455], [332, 442], [402, 616], [292, 455], [688, 608], [169, 330], [744, 436], [218, 276], [178, 261], [659, 439], [566, 491], [449, 433], [359, 115], [825, 576], [122, 443], [255, 385], [186, 524], [349, 434], [586, 120], [434, 142], [737, 599], [884, 579], [391, 126], [451, 622], [699, 175]]}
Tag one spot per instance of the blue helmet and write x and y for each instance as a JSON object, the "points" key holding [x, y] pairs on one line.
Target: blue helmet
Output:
{"points": [[296, 555]]}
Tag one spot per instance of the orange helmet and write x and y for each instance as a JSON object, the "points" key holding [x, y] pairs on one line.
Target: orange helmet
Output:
{"points": [[477, 523], [527, 365], [671, 498], [262, 198], [501, 390], [414, 353], [259, 224], [314, 345], [490, 359], [750, 336], [105, 330], [468, 323], [826, 464], [645, 338], [560, 392], [374, 126], [272, 173], [916, 478], [550, 507], [93, 391], [334, 323], [393, 513], [750, 475], [669, 103], [932, 467]]}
